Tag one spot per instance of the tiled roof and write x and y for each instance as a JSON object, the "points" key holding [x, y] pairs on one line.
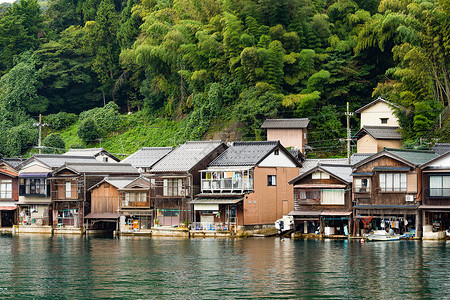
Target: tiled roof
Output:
{"points": [[186, 156], [441, 148], [119, 182], [244, 154], [357, 157], [9, 173], [286, 123], [13, 162], [380, 132], [416, 157], [89, 152], [309, 164], [342, 171], [379, 99], [55, 161], [147, 156], [99, 168]]}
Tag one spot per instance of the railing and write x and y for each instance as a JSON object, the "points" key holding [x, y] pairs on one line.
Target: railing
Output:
{"points": [[364, 189], [42, 190], [439, 193], [227, 184], [126, 203], [211, 226]]}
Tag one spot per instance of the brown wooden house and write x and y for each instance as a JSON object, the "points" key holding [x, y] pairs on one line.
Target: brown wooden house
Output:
{"points": [[385, 190], [70, 184], [323, 200], [105, 198], [435, 206], [9, 196], [176, 180]]}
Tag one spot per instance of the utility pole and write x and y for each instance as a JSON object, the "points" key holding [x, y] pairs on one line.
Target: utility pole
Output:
{"points": [[348, 114], [40, 125]]}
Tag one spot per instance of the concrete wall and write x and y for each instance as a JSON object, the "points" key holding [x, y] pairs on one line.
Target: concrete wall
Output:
{"points": [[371, 116], [288, 137]]}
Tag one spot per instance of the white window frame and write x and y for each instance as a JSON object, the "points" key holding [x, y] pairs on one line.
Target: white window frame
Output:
{"points": [[68, 189], [6, 189], [393, 182]]}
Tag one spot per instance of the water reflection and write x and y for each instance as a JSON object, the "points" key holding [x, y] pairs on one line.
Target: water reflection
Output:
{"points": [[72, 266]]}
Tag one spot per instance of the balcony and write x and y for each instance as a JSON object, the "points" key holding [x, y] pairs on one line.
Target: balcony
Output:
{"points": [[233, 181]]}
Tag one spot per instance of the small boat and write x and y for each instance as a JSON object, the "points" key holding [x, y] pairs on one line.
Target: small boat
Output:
{"points": [[382, 235]]}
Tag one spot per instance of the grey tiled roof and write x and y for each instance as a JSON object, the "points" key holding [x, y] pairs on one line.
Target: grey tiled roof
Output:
{"points": [[286, 123], [244, 154], [441, 148], [380, 132], [379, 99], [55, 161], [119, 182], [357, 157], [416, 157], [309, 164], [13, 162], [100, 168], [90, 152], [147, 156], [186, 156], [342, 171]]}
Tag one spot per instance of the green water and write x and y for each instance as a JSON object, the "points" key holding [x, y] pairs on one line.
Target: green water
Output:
{"points": [[35, 266]]}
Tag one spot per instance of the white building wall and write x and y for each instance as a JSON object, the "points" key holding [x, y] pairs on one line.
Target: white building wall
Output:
{"points": [[372, 115], [280, 160]]}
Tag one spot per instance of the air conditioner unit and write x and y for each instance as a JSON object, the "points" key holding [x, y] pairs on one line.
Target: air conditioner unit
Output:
{"points": [[409, 198], [182, 192]]}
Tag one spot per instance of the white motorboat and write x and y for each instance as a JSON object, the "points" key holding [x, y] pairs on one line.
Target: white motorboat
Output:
{"points": [[382, 235]]}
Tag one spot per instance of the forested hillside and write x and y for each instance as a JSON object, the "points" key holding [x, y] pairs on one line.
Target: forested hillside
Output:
{"points": [[176, 70]]}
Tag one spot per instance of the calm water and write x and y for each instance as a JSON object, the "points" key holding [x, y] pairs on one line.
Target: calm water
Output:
{"points": [[76, 267]]}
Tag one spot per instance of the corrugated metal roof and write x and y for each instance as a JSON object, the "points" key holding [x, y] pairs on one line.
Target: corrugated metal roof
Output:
{"points": [[244, 154], [186, 156], [380, 132], [146, 157], [286, 123]]}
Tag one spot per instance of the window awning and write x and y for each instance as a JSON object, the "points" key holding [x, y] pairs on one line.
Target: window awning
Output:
{"points": [[8, 207], [391, 169], [319, 186], [336, 213], [216, 200], [367, 174], [385, 207], [35, 175], [306, 213]]}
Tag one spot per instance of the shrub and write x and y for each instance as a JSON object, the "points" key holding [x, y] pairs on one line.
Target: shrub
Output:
{"points": [[107, 118], [55, 142], [61, 120], [88, 130]]}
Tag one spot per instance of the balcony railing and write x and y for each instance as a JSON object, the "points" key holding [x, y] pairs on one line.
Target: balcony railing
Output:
{"points": [[361, 189], [439, 193], [227, 185], [212, 226]]}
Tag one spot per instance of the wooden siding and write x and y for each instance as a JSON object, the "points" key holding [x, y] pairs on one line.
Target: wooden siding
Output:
{"points": [[105, 199], [427, 200], [15, 186]]}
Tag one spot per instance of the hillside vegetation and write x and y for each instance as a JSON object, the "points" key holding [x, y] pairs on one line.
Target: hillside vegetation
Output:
{"points": [[184, 69]]}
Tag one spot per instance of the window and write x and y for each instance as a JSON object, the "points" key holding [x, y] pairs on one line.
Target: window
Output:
{"points": [[384, 120], [393, 182], [440, 186], [33, 186], [333, 197], [136, 197], [362, 185], [276, 152], [6, 189], [305, 195], [173, 187], [271, 180], [68, 190], [320, 175]]}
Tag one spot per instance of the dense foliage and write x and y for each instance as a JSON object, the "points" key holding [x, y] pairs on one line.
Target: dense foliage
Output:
{"points": [[198, 65]]}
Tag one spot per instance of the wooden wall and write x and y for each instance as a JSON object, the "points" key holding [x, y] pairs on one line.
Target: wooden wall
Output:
{"points": [[104, 199]]}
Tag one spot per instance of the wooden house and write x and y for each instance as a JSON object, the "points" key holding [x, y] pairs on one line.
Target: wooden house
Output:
{"points": [[385, 190], [379, 127], [246, 186], [175, 179], [9, 196], [105, 200], [70, 183], [323, 200], [34, 186], [292, 133], [135, 207], [435, 205]]}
